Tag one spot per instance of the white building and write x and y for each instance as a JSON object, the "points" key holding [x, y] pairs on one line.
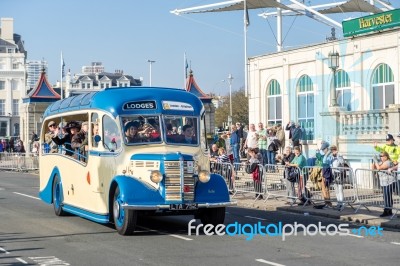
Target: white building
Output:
{"points": [[296, 85], [96, 67], [34, 69], [12, 78]]}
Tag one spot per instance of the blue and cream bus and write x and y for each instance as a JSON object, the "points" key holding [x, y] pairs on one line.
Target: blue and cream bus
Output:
{"points": [[119, 177]]}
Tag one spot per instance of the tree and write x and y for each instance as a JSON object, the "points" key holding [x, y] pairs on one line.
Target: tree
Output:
{"points": [[240, 109]]}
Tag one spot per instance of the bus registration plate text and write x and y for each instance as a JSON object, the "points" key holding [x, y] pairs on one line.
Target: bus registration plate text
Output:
{"points": [[188, 206]]}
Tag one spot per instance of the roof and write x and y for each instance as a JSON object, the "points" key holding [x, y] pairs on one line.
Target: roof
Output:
{"points": [[192, 87], [114, 77], [43, 92], [112, 100]]}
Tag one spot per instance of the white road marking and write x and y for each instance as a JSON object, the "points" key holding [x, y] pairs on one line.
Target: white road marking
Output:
{"points": [[173, 235], [262, 219], [269, 262], [5, 251], [395, 243], [27, 195], [355, 235], [21, 260]]}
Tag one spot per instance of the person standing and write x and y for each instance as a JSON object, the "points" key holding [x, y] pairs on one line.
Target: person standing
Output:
{"points": [[297, 135], [252, 139], [290, 127], [280, 135], [387, 182], [235, 142], [262, 142], [390, 147], [337, 161], [299, 161], [288, 157], [324, 161]]}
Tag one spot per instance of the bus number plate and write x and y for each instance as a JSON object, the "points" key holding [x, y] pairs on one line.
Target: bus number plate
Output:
{"points": [[189, 206]]}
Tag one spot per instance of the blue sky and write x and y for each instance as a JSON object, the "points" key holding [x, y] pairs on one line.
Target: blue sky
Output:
{"points": [[124, 34]]}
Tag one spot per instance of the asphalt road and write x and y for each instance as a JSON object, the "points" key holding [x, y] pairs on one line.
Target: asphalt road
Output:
{"points": [[31, 234]]}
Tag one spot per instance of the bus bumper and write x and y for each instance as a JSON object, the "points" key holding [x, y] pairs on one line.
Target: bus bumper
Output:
{"points": [[168, 206]]}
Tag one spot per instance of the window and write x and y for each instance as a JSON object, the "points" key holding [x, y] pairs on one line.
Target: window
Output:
{"points": [[305, 106], [3, 129], [83, 85], [15, 107], [16, 129], [2, 107], [2, 84], [274, 99], [382, 87], [343, 91], [15, 66], [140, 129], [112, 138]]}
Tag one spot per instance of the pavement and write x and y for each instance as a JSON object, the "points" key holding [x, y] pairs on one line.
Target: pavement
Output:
{"points": [[363, 216]]}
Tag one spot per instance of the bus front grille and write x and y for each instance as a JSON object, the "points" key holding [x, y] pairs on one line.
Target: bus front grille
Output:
{"points": [[173, 184]]}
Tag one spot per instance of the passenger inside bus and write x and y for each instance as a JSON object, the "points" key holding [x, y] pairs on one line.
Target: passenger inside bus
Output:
{"points": [[72, 129], [132, 134], [187, 135]]}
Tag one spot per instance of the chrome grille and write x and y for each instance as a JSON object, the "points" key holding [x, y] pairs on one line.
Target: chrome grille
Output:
{"points": [[173, 182]]}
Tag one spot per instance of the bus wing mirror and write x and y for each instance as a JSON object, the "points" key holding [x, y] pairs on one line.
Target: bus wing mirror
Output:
{"points": [[97, 138]]}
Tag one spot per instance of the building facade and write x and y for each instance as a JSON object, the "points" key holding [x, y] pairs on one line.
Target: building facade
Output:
{"points": [[12, 78], [296, 85]]}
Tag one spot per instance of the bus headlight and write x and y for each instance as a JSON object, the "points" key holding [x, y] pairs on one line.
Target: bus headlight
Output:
{"points": [[156, 176], [204, 176]]}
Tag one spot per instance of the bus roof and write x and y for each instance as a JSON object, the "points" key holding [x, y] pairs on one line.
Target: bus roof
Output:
{"points": [[117, 100]]}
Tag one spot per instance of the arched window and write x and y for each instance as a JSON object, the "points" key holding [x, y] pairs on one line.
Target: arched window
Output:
{"points": [[274, 98], [305, 106], [343, 91], [382, 87]]}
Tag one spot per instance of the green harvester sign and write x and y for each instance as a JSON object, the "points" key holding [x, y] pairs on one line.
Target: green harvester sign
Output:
{"points": [[376, 22]]}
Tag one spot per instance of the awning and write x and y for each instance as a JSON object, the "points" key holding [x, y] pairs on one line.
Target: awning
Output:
{"points": [[250, 4], [351, 6]]}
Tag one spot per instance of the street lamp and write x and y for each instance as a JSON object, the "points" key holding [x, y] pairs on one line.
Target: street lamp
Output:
{"points": [[150, 62], [333, 63], [230, 99]]}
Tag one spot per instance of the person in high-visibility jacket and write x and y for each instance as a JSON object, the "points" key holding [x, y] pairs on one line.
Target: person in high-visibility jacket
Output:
{"points": [[390, 147]]}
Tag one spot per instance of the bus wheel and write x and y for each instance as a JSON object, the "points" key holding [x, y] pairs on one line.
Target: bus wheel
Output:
{"points": [[57, 196], [125, 220], [213, 216]]}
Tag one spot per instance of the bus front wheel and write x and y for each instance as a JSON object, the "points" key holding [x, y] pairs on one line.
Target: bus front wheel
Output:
{"points": [[124, 220], [212, 216], [57, 197]]}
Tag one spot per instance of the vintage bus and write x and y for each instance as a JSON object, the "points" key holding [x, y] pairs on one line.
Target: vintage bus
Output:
{"points": [[133, 161]]}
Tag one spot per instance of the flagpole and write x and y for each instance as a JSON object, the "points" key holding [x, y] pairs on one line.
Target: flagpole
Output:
{"points": [[246, 22], [61, 75], [184, 70]]}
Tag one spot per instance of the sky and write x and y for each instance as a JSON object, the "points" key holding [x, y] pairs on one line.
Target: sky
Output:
{"points": [[125, 34]]}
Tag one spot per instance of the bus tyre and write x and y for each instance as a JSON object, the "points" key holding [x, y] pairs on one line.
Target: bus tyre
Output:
{"points": [[124, 220], [57, 197], [213, 216]]}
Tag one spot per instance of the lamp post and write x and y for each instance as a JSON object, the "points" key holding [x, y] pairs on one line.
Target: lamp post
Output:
{"points": [[150, 63], [230, 99], [333, 62]]}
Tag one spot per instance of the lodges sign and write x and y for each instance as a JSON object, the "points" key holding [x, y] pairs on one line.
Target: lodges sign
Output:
{"points": [[376, 22]]}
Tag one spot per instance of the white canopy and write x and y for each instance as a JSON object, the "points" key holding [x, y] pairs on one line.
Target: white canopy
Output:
{"points": [[250, 4], [351, 6]]}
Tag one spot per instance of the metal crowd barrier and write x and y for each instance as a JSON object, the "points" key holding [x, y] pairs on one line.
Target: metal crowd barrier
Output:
{"points": [[19, 161], [339, 189], [277, 185], [377, 189]]}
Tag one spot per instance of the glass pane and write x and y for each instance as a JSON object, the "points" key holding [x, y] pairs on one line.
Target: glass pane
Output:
{"points": [[347, 99], [302, 105], [271, 108], [310, 105], [112, 138], [339, 97], [389, 95], [182, 130], [139, 129], [279, 108], [377, 97]]}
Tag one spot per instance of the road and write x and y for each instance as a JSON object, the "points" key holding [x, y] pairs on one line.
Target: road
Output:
{"points": [[31, 234]]}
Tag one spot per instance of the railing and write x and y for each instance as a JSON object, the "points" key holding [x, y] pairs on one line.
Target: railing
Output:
{"points": [[364, 122]]}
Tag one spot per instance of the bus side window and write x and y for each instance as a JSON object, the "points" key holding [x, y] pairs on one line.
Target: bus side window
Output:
{"points": [[94, 128], [111, 135]]}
